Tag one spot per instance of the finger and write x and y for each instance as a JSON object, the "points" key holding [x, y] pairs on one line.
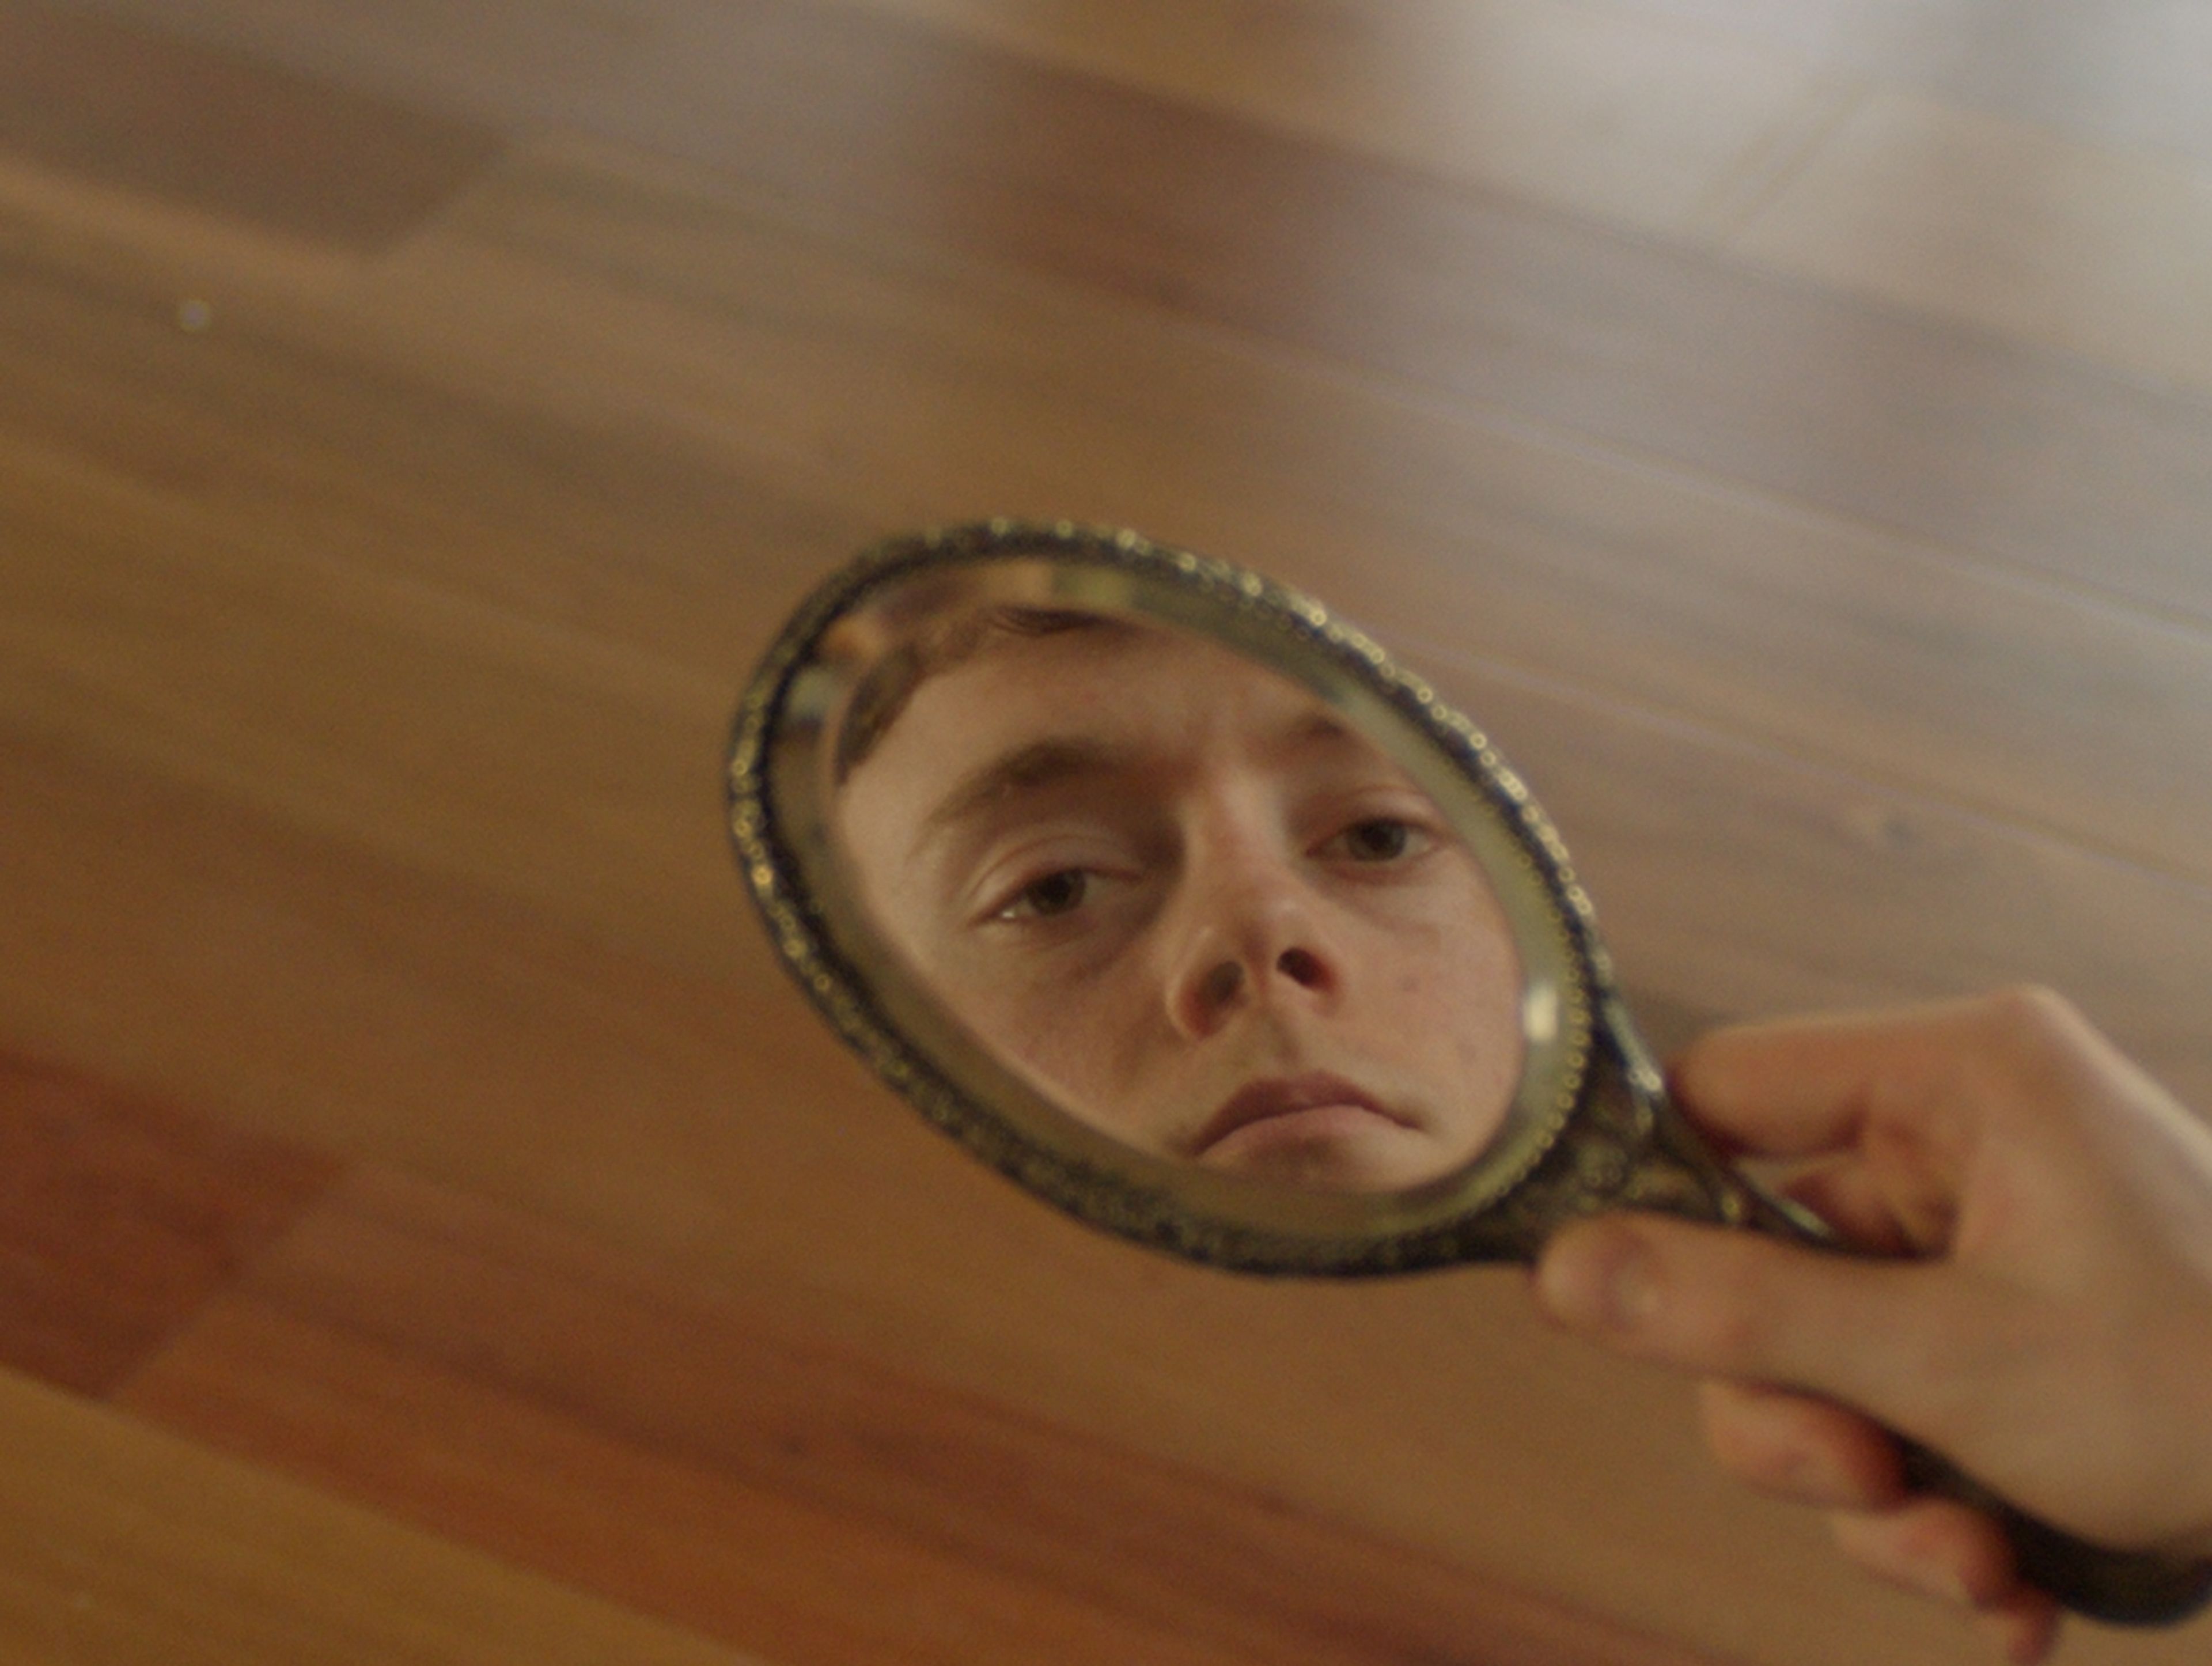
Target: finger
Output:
{"points": [[1802, 1087], [1877, 1207], [1937, 1547], [1851, 1199], [2026, 1630], [1727, 1304], [1948, 1551], [1792, 1446]]}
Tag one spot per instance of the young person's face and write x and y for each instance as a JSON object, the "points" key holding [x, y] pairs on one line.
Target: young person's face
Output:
{"points": [[1201, 913]]}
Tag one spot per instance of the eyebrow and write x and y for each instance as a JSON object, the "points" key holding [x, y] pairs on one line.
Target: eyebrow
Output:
{"points": [[1055, 760], [1027, 769]]}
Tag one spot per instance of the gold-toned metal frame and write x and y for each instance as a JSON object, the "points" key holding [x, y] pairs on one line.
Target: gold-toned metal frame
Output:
{"points": [[779, 822]]}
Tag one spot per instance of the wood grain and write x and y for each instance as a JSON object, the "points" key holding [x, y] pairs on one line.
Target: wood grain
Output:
{"points": [[119, 1218], [517, 66], [365, 648], [1681, 119], [1915, 423], [1448, 291], [2004, 228], [716, 1130], [125, 105], [521, 1390], [398, 551], [2129, 73], [124, 1545], [2000, 225], [1588, 109]]}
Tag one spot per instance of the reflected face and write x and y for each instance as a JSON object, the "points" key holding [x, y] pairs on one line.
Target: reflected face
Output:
{"points": [[1191, 905]]}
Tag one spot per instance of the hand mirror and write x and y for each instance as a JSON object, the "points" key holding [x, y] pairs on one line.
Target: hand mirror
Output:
{"points": [[1180, 902]]}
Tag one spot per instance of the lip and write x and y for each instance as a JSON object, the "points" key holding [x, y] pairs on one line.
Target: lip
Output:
{"points": [[1270, 1097]]}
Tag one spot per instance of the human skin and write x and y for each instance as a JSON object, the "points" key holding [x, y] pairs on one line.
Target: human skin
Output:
{"points": [[2045, 1320], [1196, 909]]}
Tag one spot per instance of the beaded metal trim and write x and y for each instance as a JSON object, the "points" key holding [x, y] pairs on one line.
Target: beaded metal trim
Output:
{"points": [[1497, 1208]]}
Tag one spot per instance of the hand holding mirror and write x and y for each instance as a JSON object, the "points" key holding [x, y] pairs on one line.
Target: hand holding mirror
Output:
{"points": [[1180, 902]]}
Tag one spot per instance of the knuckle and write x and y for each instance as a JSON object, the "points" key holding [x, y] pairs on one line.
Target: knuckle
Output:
{"points": [[2030, 1033], [1734, 1336], [1727, 1320], [2030, 1015], [1693, 1072], [1759, 1437]]}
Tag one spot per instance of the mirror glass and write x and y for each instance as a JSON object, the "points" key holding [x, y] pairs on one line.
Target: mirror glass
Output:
{"points": [[1181, 897], [1165, 890]]}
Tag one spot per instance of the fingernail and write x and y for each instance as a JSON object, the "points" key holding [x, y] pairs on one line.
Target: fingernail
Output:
{"points": [[1600, 1279]]}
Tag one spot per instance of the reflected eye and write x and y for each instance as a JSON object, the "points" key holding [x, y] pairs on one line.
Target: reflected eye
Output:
{"points": [[1378, 839], [1056, 893], [1069, 879]]}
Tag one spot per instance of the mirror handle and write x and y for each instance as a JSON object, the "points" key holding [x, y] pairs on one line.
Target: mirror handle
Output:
{"points": [[2119, 1587]]}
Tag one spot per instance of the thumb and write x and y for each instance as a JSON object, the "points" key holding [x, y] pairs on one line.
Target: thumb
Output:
{"points": [[1732, 1304]]}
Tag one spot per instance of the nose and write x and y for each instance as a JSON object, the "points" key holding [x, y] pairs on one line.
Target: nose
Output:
{"points": [[1253, 935]]}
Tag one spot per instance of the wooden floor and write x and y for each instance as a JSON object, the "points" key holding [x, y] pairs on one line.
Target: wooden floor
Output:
{"points": [[429, 1228]]}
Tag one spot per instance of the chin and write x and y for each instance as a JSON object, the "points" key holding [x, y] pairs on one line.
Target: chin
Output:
{"points": [[1384, 1163]]}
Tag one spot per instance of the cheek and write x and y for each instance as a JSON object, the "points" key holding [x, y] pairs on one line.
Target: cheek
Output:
{"points": [[1007, 1025], [1087, 1040], [1446, 971], [1455, 998]]}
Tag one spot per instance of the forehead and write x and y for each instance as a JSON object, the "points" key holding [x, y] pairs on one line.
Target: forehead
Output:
{"points": [[1148, 693]]}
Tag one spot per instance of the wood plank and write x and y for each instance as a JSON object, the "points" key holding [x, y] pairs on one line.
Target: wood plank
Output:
{"points": [[289, 594], [1665, 123], [512, 65], [1937, 432], [2125, 72], [424, 553], [2004, 228], [709, 864], [124, 1545], [1594, 568], [301, 420], [514, 1386], [1817, 636], [119, 1217], [1998, 225], [296, 988], [1588, 109], [128, 106], [372, 639], [1447, 290], [1704, 861], [665, 1535]]}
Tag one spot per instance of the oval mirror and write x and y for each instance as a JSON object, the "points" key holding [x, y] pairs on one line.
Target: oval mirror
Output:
{"points": [[1179, 901]]}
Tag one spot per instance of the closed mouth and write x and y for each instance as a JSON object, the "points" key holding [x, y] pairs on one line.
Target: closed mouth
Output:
{"points": [[1271, 1096]]}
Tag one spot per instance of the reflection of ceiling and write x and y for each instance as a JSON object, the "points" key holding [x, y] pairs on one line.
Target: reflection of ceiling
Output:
{"points": [[411, 435]]}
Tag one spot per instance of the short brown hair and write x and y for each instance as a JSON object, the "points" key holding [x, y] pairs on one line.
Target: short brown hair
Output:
{"points": [[887, 685]]}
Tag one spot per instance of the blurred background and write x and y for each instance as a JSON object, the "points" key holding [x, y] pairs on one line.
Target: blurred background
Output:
{"points": [[429, 1227]]}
